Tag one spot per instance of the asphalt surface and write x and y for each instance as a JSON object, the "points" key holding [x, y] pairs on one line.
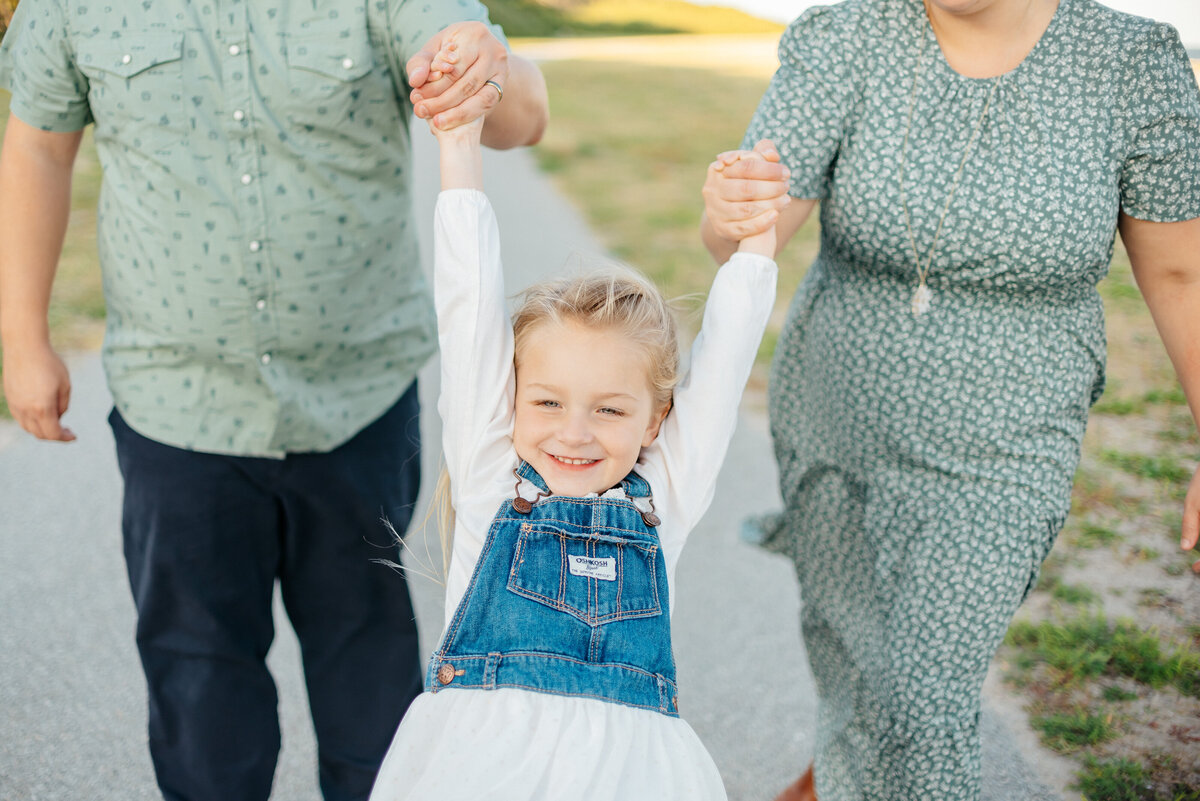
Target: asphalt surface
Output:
{"points": [[72, 696]]}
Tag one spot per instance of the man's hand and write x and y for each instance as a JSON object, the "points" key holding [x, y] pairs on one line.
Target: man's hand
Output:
{"points": [[38, 390], [454, 92]]}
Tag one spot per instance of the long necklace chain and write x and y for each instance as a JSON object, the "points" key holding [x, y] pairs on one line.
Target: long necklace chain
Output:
{"points": [[922, 298]]}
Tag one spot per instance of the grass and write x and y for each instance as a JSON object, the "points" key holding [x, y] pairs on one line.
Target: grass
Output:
{"points": [[1123, 779], [1094, 535], [1113, 693], [1089, 646], [1155, 468], [1074, 594], [1068, 732], [7, 7], [1113, 404]]}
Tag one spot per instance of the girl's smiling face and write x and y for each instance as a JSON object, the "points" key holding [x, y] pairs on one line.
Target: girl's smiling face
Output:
{"points": [[584, 406]]}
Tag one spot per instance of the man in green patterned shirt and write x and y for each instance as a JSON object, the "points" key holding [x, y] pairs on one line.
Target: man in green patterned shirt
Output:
{"points": [[266, 320]]}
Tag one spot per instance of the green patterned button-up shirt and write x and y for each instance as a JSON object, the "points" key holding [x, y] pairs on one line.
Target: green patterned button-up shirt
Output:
{"points": [[255, 234]]}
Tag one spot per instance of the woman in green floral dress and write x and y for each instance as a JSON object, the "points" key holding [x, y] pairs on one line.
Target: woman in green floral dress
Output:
{"points": [[974, 160]]}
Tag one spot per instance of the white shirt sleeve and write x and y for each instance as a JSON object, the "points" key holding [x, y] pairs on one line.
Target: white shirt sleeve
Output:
{"points": [[476, 342], [683, 462]]}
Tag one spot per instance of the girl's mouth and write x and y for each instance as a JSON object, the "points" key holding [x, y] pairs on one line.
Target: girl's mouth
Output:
{"points": [[573, 462]]}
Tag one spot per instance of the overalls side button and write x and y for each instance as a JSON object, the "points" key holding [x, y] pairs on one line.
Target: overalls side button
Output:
{"points": [[445, 673]]}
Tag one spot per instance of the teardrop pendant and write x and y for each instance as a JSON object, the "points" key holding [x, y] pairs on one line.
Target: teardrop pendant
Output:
{"points": [[922, 299]]}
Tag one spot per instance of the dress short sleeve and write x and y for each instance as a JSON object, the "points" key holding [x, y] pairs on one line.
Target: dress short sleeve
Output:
{"points": [[804, 109], [37, 64], [1160, 177]]}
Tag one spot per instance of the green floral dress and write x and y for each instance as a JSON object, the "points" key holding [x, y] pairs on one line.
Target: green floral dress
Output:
{"points": [[926, 461]]}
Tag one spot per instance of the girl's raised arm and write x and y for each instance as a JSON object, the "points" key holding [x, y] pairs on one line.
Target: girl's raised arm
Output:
{"points": [[474, 332], [459, 155]]}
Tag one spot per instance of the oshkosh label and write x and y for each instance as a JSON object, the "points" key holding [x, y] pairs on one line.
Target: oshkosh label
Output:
{"points": [[589, 567]]}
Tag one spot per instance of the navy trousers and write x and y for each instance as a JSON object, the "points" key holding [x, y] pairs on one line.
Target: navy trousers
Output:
{"points": [[206, 537]]}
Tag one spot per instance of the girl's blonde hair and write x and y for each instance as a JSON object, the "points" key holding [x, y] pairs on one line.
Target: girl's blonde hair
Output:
{"points": [[612, 298], [615, 298]]}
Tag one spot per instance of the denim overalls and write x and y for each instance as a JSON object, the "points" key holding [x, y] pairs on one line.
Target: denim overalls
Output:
{"points": [[569, 597]]}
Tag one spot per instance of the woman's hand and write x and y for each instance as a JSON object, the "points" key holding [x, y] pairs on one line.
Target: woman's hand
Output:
{"points": [[763, 242], [746, 197], [1191, 519], [743, 197]]}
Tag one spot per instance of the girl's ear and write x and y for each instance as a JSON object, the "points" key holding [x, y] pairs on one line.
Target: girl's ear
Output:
{"points": [[655, 424]]}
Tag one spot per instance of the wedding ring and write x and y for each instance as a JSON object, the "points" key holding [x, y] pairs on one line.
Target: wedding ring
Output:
{"points": [[498, 89]]}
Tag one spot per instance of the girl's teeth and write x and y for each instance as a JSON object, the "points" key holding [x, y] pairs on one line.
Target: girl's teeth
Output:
{"points": [[574, 461]]}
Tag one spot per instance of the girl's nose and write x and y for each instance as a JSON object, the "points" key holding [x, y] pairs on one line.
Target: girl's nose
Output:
{"points": [[575, 430]]}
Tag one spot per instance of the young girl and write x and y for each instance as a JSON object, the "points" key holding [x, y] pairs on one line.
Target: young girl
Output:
{"points": [[579, 462]]}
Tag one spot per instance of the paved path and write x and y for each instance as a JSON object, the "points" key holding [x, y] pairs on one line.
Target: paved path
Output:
{"points": [[72, 706]]}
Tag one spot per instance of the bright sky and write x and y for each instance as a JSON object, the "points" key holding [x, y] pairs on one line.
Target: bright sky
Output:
{"points": [[1183, 14]]}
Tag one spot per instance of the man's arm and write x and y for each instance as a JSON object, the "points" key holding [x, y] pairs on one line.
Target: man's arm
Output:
{"points": [[462, 94], [35, 202], [521, 119]]}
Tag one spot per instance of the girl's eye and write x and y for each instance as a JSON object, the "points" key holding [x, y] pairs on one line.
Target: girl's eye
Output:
{"points": [[549, 404], [611, 411]]}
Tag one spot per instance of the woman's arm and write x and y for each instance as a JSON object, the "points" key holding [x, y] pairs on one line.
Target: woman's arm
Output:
{"points": [[1166, 264]]}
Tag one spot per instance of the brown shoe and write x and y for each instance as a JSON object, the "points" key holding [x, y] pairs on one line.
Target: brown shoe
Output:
{"points": [[803, 789]]}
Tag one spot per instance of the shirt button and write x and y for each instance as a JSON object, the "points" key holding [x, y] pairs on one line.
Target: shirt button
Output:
{"points": [[265, 358], [255, 246], [247, 178], [261, 304], [347, 63], [239, 115], [234, 50], [125, 59]]}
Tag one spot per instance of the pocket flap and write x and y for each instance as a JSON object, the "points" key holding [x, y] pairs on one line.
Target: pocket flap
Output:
{"points": [[130, 54], [346, 59]]}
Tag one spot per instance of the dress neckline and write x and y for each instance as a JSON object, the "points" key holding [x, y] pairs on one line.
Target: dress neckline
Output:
{"points": [[943, 66]]}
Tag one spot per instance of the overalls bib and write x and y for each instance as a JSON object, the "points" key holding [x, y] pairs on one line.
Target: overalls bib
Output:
{"points": [[568, 598]]}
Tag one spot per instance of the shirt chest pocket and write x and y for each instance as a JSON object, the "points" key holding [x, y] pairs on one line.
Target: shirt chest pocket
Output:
{"points": [[135, 85], [331, 81], [597, 578]]}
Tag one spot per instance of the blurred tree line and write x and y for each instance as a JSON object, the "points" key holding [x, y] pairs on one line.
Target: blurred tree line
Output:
{"points": [[559, 18]]}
